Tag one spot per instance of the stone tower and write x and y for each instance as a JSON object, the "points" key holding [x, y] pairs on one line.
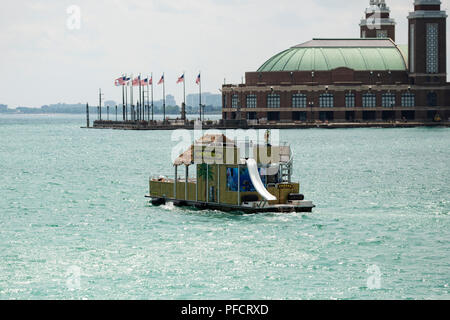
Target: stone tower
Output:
{"points": [[427, 42], [377, 22]]}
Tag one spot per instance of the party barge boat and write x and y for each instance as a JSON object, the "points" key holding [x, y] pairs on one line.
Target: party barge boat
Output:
{"points": [[232, 176]]}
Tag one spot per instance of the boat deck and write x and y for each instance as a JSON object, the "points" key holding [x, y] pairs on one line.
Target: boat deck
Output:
{"points": [[303, 206]]}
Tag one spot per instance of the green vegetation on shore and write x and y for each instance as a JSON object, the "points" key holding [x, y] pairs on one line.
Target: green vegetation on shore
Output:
{"points": [[81, 108]]}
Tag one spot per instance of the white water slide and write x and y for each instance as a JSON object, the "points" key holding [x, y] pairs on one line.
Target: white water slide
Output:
{"points": [[256, 180]]}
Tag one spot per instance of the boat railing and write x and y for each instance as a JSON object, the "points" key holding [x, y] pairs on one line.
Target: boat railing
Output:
{"points": [[285, 155], [170, 178], [162, 177], [236, 143]]}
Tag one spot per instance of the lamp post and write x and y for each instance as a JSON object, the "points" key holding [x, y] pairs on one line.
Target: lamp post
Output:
{"points": [[100, 96]]}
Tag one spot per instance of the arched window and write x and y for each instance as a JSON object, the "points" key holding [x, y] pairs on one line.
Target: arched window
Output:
{"points": [[299, 100], [369, 100], [408, 99], [326, 100], [388, 100]]}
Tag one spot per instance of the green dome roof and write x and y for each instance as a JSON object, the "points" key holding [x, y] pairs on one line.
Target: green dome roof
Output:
{"points": [[329, 54]]}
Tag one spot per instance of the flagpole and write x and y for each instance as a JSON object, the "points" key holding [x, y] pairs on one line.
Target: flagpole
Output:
{"points": [[140, 100], [164, 98], [100, 103], [131, 99], [148, 104], [200, 95], [152, 96], [126, 100], [183, 111], [123, 98], [143, 103]]}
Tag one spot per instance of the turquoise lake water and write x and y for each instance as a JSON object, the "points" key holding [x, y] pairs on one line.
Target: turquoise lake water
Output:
{"points": [[74, 223]]}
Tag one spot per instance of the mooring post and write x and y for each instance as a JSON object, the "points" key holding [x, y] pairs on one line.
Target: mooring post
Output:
{"points": [[239, 185], [207, 182], [87, 115], [186, 187], [218, 182], [138, 111], [175, 183]]}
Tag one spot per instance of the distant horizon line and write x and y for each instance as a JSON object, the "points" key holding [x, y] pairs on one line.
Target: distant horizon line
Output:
{"points": [[81, 103]]}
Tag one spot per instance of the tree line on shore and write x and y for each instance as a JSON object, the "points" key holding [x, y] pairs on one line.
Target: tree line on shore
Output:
{"points": [[81, 108]]}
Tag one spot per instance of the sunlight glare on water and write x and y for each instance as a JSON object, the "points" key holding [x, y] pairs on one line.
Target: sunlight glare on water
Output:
{"points": [[75, 224]]}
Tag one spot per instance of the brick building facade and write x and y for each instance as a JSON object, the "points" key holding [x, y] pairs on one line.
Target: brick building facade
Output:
{"points": [[352, 80]]}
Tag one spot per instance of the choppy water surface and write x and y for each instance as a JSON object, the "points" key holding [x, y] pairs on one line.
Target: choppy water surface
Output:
{"points": [[74, 223]]}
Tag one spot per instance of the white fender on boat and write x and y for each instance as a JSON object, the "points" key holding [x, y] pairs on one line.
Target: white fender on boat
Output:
{"points": [[256, 180]]}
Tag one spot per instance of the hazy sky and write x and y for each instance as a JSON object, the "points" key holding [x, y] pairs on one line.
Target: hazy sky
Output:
{"points": [[43, 61]]}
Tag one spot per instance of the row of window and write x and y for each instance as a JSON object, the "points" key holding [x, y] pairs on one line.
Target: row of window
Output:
{"points": [[326, 100], [386, 115]]}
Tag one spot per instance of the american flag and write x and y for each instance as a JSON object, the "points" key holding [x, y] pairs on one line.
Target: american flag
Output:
{"points": [[180, 79], [161, 80], [198, 79], [144, 82], [150, 81], [136, 81], [120, 81]]}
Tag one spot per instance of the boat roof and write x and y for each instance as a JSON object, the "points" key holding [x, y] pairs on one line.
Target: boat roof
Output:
{"points": [[207, 140], [283, 153]]}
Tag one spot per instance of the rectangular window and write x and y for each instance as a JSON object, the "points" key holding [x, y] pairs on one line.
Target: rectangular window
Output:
{"points": [[369, 100], [299, 116], [388, 100], [326, 100], [408, 100], [235, 101], [273, 101], [412, 49], [251, 101], [298, 101], [350, 100], [432, 48]]}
